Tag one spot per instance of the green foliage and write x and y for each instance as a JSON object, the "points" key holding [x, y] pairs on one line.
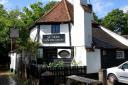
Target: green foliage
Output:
{"points": [[115, 20], [22, 21], [35, 11], [4, 31], [56, 64], [48, 6], [125, 31], [97, 19]]}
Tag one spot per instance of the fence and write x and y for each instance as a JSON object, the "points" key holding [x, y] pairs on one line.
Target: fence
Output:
{"points": [[37, 71]]}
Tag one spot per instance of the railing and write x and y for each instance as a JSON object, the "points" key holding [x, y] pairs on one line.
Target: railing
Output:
{"points": [[38, 71]]}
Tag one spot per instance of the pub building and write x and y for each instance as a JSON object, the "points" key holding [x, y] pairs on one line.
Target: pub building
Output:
{"points": [[69, 33]]}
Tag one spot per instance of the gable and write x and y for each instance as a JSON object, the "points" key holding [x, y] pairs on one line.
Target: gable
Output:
{"points": [[61, 12]]}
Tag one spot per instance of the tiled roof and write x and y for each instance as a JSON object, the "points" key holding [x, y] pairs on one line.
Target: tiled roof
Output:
{"points": [[104, 40], [61, 12]]}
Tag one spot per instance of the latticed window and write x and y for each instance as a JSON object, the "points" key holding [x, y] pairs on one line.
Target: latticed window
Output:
{"points": [[120, 55]]}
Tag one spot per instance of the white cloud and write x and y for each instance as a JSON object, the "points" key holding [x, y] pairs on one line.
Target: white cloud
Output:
{"points": [[125, 9], [4, 2], [101, 8]]}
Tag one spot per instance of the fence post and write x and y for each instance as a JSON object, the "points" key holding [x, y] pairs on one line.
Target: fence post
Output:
{"points": [[102, 76], [68, 82]]}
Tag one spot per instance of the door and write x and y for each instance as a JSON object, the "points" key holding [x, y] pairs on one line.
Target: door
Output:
{"points": [[49, 54]]}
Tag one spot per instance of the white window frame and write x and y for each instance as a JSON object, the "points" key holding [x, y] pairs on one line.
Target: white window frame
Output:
{"points": [[40, 53], [120, 55]]}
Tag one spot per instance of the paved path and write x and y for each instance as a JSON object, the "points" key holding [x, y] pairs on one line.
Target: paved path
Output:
{"points": [[6, 78]]}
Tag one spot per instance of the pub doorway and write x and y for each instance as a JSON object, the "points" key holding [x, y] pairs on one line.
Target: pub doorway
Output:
{"points": [[49, 54]]}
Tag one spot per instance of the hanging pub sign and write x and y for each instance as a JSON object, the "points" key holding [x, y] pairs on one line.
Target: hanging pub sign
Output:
{"points": [[53, 38], [14, 33]]}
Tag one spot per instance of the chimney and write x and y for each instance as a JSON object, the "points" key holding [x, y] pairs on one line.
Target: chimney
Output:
{"points": [[82, 23]]}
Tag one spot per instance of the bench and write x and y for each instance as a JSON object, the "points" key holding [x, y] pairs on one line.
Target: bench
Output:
{"points": [[82, 80]]}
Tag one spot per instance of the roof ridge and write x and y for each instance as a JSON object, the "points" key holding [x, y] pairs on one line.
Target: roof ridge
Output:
{"points": [[65, 3]]}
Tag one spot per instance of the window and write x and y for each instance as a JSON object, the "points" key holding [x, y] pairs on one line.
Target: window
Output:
{"points": [[40, 53], [125, 66], [55, 28], [120, 55]]}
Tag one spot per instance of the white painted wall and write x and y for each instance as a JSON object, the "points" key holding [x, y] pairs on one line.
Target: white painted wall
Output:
{"points": [[13, 56], [33, 33], [80, 56], [93, 61], [82, 38], [78, 30], [46, 30], [82, 31]]}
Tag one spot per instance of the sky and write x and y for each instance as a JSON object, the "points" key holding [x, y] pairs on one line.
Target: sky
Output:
{"points": [[100, 7]]}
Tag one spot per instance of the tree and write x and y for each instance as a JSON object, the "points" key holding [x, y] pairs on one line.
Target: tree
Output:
{"points": [[35, 11], [28, 17], [48, 6], [115, 21], [97, 19], [19, 20], [4, 31], [126, 24]]}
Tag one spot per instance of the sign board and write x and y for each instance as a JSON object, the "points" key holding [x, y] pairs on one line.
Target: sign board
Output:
{"points": [[53, 38], [14, 33]]}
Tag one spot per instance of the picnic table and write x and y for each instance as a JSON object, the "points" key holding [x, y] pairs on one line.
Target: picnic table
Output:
{"points": [[82, 80]]}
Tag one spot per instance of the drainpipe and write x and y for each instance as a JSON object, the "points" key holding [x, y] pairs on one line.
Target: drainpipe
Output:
{"points": [[70, 41], [38, 33]]}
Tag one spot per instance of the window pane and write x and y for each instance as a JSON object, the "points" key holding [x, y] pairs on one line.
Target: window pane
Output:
{"points": [[120, 55], [125, 66], [55, 28]]}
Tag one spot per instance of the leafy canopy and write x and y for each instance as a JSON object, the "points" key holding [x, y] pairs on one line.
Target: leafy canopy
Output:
{"points": [[21, 20]]}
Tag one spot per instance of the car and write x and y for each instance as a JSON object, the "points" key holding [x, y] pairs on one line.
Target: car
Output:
{"points": [[118, 74]]}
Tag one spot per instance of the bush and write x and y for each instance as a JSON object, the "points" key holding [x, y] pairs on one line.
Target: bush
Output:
{"points": [[56, 64]]}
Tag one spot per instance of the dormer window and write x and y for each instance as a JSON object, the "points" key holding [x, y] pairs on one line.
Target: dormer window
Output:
{"points": [[55, 28]]}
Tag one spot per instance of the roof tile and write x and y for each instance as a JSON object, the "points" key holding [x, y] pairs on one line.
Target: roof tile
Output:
{"points": [[104, 40], [61, 12]]}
